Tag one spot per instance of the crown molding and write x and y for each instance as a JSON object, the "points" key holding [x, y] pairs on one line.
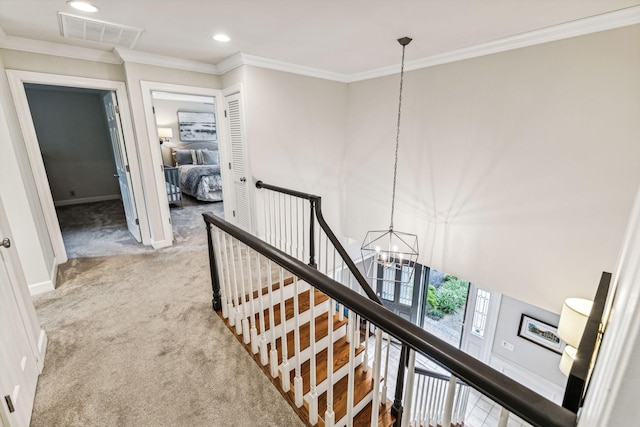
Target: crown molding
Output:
{"points": [[594, 24], [128, 55], [57, 49], [272, 64], [580, 27]]}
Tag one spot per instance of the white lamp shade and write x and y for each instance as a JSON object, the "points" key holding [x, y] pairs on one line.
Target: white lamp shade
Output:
{"points": [[573, 319], [165, 132], [568, 357]]}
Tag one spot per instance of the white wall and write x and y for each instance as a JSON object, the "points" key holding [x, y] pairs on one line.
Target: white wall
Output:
{"points": [[517, 170], [20, 197], [527, 355], [296, 128], [75, 145]]}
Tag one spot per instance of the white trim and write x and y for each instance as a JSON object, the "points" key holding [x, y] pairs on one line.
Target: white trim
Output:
{"points": [[146, 88], [540, 385], [617, 359], [58, 49], [42, 349], [128, 55], [17, 79], [41, 288], [82, 200], [579, 27]]}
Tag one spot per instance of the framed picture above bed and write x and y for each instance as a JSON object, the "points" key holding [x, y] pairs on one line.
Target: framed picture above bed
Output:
{"points": [[197, 126]]}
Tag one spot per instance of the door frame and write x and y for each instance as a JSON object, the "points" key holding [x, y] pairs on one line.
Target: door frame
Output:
{"points": [[17, 80], [156, 152]]}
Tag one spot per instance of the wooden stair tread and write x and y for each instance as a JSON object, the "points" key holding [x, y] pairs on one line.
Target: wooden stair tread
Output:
{"points": [[321, 330], [303, 305], [385, 419], [340, 359], [265, 290], [363, 384]]}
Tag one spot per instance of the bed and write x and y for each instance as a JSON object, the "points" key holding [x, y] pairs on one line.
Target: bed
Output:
{"points": [[199, 169]]}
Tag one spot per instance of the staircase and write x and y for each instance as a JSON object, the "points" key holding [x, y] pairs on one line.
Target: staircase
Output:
{"points": [[296, 357], [305, 314]]}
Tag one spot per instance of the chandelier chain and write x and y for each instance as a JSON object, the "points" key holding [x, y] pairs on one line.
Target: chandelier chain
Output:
{"points": [[395, 166]]}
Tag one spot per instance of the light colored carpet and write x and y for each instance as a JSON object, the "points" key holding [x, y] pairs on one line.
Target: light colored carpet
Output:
{"points": [[133, 341]]}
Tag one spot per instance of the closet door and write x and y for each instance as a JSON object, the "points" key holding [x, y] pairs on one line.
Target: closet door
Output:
{"points": [[241, 205], [18, 367]]}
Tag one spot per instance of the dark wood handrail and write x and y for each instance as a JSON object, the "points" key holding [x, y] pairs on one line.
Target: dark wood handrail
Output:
{"points": [[316, 203], [512, 395]]}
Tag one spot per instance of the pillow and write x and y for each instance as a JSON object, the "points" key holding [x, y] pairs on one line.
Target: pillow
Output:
{"points": [[209, 157], [183, 157]]}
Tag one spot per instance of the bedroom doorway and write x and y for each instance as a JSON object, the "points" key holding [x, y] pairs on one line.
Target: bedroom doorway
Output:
{"points": [[80, 139], [18, 81], [189, 127]]}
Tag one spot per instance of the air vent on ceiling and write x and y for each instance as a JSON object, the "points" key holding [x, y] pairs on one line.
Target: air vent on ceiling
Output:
{"points": [[80, 28]]}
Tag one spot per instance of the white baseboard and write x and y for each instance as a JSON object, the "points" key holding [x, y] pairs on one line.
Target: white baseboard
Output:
{"points": [[161, 244], [42, 349], [528, 379], [82, 200], [42, 287]]}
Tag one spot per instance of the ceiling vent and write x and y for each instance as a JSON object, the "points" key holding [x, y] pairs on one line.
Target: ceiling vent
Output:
{"points": [[80, 28]]}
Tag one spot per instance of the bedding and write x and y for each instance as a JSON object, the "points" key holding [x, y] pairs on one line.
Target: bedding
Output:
{"points": [[199, 171], [201, 181]]}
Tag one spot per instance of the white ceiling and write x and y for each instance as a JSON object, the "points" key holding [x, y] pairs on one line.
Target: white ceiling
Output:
{"points": [[339, 36]]}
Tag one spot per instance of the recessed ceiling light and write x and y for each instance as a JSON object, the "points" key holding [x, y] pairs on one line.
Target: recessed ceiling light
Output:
{"points": [[83, 6], [221, 38]]}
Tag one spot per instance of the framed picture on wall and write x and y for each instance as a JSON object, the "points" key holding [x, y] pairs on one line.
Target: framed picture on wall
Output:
{"points": [[541, 333], [197, 126]]}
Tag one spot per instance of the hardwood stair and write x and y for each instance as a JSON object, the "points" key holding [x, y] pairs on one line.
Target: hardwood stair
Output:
{"points": [[324, 316]]}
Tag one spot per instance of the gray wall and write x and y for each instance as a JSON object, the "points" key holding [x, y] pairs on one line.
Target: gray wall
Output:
{"points": [[74, 143], [526, 354]]}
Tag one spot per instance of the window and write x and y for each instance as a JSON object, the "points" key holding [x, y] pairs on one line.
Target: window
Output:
{"points": [[480, 312], [388, 285]]}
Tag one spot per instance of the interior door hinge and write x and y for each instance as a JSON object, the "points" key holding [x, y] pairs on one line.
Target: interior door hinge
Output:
{"points": [[225, 113], [137, 221], [229, 165], [117, 108], [7, 399], [169, 220], [126, 167], [153, 109], [234, 213]]}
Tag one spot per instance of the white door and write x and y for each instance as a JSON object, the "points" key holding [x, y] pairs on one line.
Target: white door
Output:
{"points": [[241, 209], [479, 328], [122, 164], [18, 368]]}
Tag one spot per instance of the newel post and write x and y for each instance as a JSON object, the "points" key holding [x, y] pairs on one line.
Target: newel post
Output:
{"points": [[312, 241], [213, 267], [396, 408]]}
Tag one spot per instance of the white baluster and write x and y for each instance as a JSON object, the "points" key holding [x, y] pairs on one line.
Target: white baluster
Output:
{"points": [[297, 380], [243, 312], [408, 392], [221, 267], [236, 293], [504, 418], [329, 415], [366, 346], [233, 316], [313, 394], [253, 330], [386, 369], [273, 354], [351, 377], [286, 382], [377, 360], [448, 403], [264, 356], [423, 401], [291, 226]]}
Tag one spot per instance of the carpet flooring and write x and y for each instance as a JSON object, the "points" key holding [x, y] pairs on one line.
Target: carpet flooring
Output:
{"points": [[133, 340]]}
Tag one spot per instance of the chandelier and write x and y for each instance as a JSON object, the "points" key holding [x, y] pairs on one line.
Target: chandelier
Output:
{"points": [[391, 255]]}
